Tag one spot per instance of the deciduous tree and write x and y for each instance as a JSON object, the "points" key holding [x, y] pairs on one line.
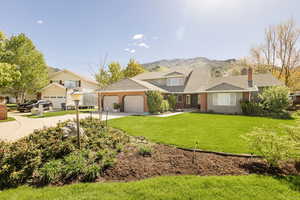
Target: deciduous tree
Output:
{"points": [[20, 51], [115, 72], [133, 68], [8, 75], [280, 52]]}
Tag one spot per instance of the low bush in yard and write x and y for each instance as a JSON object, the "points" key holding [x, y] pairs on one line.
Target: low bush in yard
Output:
{"points": [[145, 150], [154, 101], [276, 145], [272, 102], [49, 156], [251, 108], [172, 102], [164, 107]]}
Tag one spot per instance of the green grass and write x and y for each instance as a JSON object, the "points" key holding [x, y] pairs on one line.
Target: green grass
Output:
{"points": [[59, 113], [172, 187], [8, 119], [211, 131]]}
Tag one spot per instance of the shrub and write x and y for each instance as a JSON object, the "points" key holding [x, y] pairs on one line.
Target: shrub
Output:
{"points": [[91, 172], [49, 173], [154, 101], [164, 107], [272, 145], [251, 108], [275, 99], [47, 156], [172, 102], [145, 150], [297, 113]]}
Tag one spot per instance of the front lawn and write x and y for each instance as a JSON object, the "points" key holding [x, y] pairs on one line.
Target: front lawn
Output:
{"points": [[8, 119], [172, 187], [211, 131], [59, 113]]}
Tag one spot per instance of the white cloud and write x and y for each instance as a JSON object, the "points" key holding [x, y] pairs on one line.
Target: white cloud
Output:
{"points": [[129, 50], [39, 21], [155, 38], [180, 33], [138, 37], [142, 44]]}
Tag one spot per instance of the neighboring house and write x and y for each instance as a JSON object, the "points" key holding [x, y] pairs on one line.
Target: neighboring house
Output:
{"points": [[296, 97], [7, 98], [199, 88], [63, 83]]}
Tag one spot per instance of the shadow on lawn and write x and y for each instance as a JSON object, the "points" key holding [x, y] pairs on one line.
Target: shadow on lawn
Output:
{"points": [[293, 181]]}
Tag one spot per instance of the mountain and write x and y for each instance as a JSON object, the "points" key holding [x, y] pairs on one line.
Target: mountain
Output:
{"points": [[190, 62]]}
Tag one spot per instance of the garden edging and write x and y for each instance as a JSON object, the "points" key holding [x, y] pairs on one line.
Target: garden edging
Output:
{"points": [[220, 153]]}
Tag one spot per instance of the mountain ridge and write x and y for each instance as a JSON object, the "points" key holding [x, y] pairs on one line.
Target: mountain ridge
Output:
{"points": [[187, 62]]}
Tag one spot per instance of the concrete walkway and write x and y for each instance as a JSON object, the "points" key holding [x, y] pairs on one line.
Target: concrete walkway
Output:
{"points": [[23, 126]]}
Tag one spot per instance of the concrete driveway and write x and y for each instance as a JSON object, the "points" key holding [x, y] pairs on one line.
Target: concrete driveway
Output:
{"points": [[23, 126]]}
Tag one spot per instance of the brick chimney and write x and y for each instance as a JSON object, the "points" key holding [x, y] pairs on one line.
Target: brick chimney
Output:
{"points": [[250, 77]]}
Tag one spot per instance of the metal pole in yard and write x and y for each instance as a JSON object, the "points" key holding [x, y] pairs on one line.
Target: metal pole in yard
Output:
{"points": [[77, 121]]}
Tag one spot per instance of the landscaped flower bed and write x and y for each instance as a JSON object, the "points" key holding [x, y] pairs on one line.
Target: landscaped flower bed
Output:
{"points": [[51, 156]]}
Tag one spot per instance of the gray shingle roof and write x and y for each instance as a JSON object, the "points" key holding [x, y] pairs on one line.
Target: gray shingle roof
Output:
{"points": [[130, 84], [259, 80], [198, 80], [224, 86], [125, 84], [155, 75]]}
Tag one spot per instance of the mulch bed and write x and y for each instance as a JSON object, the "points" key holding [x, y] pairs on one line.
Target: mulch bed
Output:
{"points": [[166, 160]]}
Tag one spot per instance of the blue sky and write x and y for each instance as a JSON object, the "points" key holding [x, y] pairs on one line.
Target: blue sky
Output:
{"points": [[77, 34]]}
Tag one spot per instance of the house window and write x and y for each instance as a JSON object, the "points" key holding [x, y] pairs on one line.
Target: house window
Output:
{"points": [[224, 99], [179, 98], [188, 99], [71, 84], [54, 81], [175, 81]]}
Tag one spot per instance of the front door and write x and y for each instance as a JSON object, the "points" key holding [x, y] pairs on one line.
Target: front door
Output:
{"points": [[194, 100]]}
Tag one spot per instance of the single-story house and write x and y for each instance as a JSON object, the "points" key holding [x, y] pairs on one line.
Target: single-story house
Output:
{"points": [[63, 83], [296, 97], [200, 88]]}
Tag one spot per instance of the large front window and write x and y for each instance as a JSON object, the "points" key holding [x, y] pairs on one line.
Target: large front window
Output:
{"points": [[224, 99], [175, 81]]}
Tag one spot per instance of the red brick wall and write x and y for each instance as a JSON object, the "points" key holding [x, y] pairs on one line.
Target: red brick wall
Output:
{"points": [[203, 102], [3, 112], [246, 96]]}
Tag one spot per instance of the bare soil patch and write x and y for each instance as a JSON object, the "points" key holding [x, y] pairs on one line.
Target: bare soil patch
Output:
{"points": [[166, 160]]}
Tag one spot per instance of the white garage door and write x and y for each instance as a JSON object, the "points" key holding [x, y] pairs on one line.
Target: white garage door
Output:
{"points": [[108, 102], [55, 100], [134, 104]]}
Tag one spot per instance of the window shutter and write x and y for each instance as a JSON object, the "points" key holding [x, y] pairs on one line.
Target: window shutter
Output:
{"points": [[51, 81], [215, 99], [79, 83], [232, 99], [60, 82]]}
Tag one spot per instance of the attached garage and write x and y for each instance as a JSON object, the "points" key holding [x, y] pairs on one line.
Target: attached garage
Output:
{"points": [[108, 102], [134, 104], [54, 93], [55, 100]]}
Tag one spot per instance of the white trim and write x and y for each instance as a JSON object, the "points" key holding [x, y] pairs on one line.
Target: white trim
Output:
{"points": [[104, 91], [52, 84], [80, 77], [230, 91]]}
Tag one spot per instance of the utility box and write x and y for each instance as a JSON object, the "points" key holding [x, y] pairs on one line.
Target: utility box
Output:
{"points": [[3, 112]]}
